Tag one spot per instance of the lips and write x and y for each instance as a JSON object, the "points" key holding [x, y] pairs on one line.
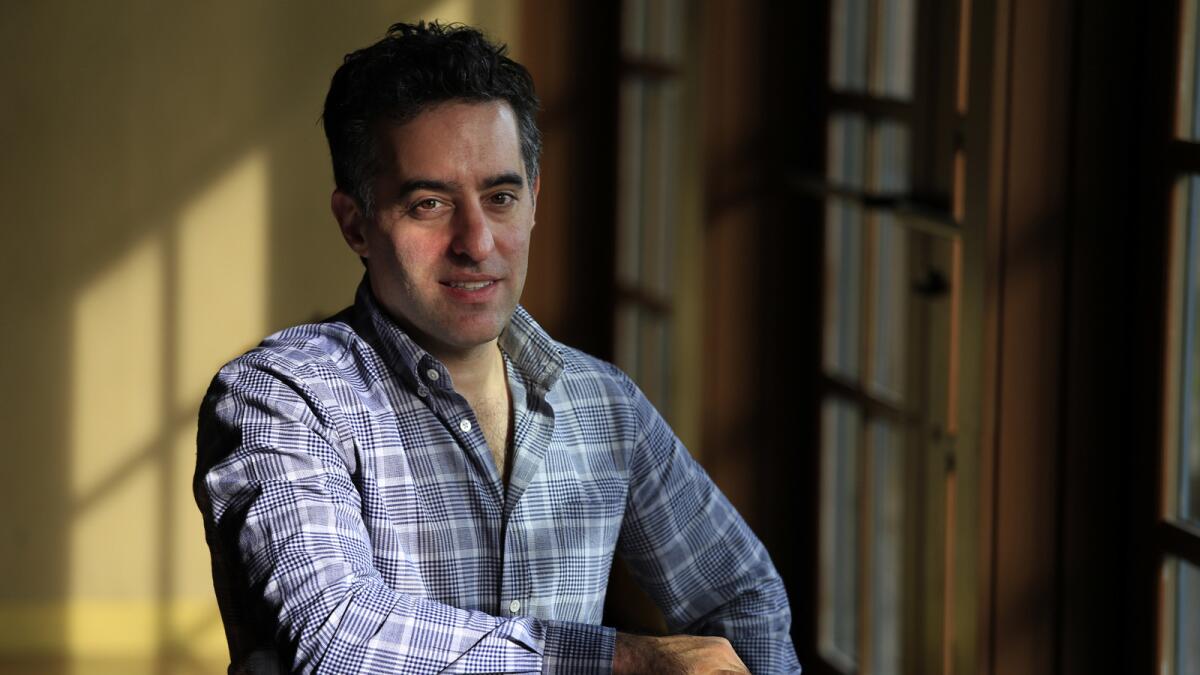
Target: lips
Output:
{"points": [[471, 288], [469, 285]]}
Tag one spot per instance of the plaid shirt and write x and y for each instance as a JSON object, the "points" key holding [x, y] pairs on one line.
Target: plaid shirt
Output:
{"points": [[357, 522]]}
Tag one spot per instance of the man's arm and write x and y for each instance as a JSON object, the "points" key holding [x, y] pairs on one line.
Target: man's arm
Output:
{"points": [[675, 654], [274, 484], [691, 551]]}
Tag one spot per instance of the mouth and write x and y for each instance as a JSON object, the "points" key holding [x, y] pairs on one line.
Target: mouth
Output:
{"points": [[469, 285]]}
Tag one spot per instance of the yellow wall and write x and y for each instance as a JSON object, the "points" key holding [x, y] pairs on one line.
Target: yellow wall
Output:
{"points": [[165, 188]]}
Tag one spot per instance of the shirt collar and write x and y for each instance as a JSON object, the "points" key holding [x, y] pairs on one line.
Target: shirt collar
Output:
{"points": [[529, 348]]}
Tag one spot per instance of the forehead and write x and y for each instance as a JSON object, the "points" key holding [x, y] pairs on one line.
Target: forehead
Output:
{"points": [[454, 140]]}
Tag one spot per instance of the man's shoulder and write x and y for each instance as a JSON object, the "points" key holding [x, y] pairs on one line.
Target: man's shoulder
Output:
{"points": [[585, 375], [579, 363], [326, 350]]}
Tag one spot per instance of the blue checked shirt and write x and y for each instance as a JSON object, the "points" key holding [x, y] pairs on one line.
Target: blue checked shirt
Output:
{"points": [[358, 524]]}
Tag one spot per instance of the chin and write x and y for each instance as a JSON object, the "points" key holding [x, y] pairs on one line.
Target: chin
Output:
{"points": [[466, 337]]}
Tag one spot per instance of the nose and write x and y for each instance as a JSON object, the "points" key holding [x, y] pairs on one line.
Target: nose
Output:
{"points": [[472, 233]]}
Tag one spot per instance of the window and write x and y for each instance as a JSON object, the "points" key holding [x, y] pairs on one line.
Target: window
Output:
{"points": [[1179, 540], [892, 265], [651, 334], [648, 166]]}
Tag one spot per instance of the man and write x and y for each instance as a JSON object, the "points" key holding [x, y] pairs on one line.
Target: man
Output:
{"points": [[427, 482]]}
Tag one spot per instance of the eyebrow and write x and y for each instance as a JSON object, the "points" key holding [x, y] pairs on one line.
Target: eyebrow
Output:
{"points": [[410, 186], [507, 178]]}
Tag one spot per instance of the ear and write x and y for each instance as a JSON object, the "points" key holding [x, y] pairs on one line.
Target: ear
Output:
{"points": [[350, 221], [537, 186]]}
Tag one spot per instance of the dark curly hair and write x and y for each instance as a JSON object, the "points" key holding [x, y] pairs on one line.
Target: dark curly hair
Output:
{"points": [[411, 69]]}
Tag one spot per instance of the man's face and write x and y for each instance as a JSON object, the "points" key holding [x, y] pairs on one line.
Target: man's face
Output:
{"points": [[447, 249]]}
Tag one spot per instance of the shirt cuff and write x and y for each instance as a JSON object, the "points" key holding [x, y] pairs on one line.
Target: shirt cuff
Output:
{"points": [[578, 648]]}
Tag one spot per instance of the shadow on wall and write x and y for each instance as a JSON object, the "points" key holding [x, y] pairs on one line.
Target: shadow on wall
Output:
{"points": [[166, 186]]}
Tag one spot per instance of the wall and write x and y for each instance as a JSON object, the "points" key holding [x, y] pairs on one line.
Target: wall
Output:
{"points": [[165, 191]]}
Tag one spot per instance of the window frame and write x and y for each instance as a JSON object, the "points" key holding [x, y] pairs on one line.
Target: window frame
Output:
{"points": [[1175, 538], [933, 207]]}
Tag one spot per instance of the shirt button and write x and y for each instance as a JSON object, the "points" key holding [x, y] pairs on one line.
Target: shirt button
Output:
{"points": [[465, 425], [514, 606], [432, 374], [422, 392]]}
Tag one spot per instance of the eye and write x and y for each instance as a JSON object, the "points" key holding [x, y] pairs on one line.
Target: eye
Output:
{"points": [[427, 207], [503, 198]]}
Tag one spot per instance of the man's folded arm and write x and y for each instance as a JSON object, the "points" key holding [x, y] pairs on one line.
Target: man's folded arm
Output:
{"points": [[694, 554], [274, 483]]}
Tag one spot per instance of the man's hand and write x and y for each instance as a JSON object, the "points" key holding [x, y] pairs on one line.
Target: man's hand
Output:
{"points": [[675, 654]]}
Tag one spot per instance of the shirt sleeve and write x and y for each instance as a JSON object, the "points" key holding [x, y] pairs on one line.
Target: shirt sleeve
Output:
{"points": [[691, 551], [293, 557]]}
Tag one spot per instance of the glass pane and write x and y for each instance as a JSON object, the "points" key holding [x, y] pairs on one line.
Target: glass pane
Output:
{"points": [[633, 27], [631, 182], [887, 547], [846, 152], [892, 74], [889, 158], [848, 45], [660, 172], [843, 287], [663, 338], [642, 350], [1186, 125], [664, 27], [653, 363], [844, 247], [1181, 647], [889, 175], [628, 346], [1189, 410], [841, 425], [890, 297]]}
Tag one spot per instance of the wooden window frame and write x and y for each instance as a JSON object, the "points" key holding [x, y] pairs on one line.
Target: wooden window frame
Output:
{"points": [[935, 118], [1173, 537]]}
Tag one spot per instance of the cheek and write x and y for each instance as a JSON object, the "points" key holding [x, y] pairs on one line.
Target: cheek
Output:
{"points": [[515, 242], [416, 256]]}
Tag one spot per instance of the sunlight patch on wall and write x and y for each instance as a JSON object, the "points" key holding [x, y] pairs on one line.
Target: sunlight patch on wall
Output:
{"points": [[223, 266], [133, 629], [113, 629], [452, 11], [499, 19], [149, 334], [114, 542], [117, 401], [117, 407]]}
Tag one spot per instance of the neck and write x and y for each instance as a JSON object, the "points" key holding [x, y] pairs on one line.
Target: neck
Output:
{"points": [[473, 370]]}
